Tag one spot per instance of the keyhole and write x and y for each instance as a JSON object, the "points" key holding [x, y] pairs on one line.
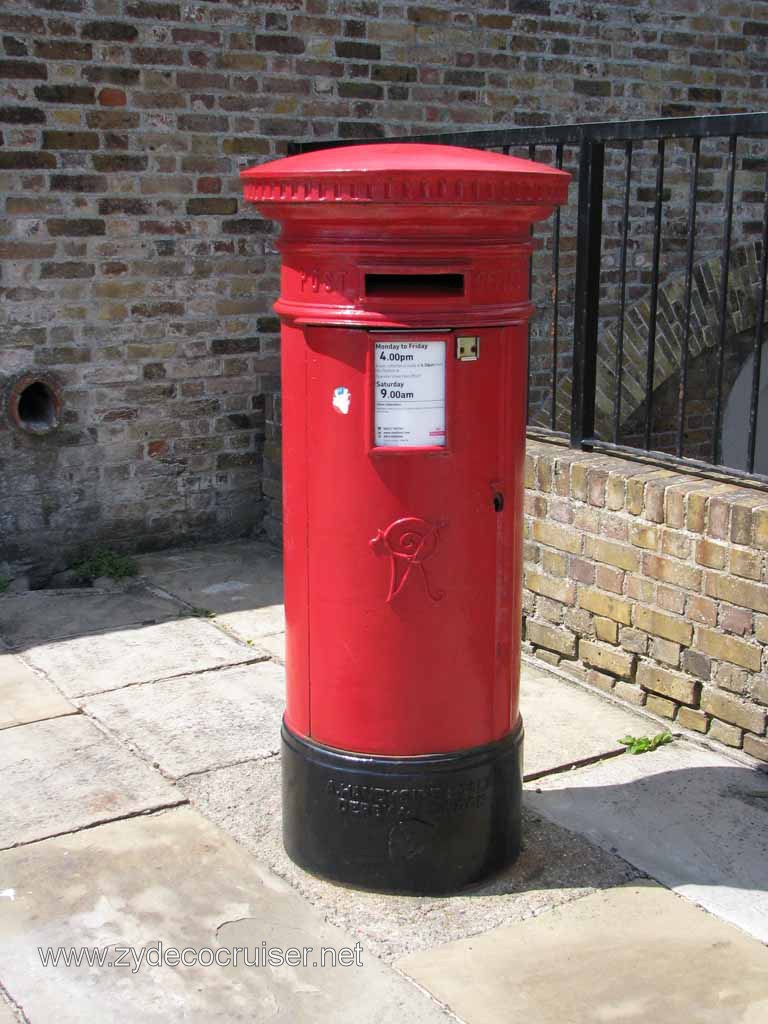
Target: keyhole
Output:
{"points": [[498, 501]]}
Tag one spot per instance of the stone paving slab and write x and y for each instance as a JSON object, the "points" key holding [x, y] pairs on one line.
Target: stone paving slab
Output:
{"points": [[175, 879], [274, 646], [234, 552], [554, 868], [633, 954], [66, 774], [693, 819], [241, 583], [255, 623], [40, 616], [198, 722], [565, 724], [25, 696], [108, 661]]}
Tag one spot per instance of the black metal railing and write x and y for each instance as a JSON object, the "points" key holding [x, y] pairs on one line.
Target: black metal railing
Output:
{"points": [[652, 289]]}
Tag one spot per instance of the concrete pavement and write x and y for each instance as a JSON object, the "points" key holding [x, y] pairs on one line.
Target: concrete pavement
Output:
{"points": [[139, 779]]}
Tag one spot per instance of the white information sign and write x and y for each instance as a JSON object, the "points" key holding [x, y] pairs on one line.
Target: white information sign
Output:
{"points": [[409, 383]]}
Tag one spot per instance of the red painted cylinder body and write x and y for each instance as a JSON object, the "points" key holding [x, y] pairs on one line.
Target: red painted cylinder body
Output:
{"points": [[404, 305]]}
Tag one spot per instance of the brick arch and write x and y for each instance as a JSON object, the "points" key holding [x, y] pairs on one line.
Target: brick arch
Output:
{"points": [[743, 281]]}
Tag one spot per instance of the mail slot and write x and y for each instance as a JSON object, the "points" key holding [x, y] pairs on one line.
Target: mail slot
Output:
{"points": [[404, 306]]}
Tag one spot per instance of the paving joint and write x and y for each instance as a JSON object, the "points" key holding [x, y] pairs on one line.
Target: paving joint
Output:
{"points": [[146, 812], [83, 697], [47, 718], [571, 765], [15, 1006], [221, 767]]}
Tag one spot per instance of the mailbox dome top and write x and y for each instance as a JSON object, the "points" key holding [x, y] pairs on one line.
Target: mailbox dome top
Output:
{"points": [[404, 172]]}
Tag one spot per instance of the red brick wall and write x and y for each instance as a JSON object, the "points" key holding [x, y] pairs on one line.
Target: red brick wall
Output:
{"points": [[133, 276]]}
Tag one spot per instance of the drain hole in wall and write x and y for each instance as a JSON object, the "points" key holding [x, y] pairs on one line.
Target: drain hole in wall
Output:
{"points": [[37, 408]]}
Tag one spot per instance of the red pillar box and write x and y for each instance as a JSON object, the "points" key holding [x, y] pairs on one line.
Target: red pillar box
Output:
{"points": [[404, 306]]}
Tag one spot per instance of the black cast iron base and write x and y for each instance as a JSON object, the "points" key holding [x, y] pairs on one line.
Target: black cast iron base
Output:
{"points": [[417, 824]]}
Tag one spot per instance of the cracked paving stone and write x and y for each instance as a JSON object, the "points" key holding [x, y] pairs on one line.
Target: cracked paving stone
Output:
{"points": [[174, 879], [25, 696], [65, 774], [242, 584], [198, 722], [108, 661], [565, 723], [39, 616]]}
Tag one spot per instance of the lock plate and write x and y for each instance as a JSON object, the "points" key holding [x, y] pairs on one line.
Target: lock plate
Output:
{"points": [[468, 349]]}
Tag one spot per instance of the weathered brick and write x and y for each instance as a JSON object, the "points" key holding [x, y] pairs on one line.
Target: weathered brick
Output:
{"points": [[60, 49], [557, 589], [73, 94], [22, 115], [606, 630], [25, 160], [22, 69], [75, 227], [70, 140], [734, 711], [739, 592], [620, 555], [733, 679], [78, 183], [665, 651], [644, 535], [556, 536], [660, 706], [723, 733], [728, 648], [70, 269], [117, 162], [155, 11], [761, 528], [756, 746], [696, 664], [630, 692], [560, 640], [672, 571], [213, 206], [701, 609], [660, 624], [690, 718], [109, 31], [711, 554], [601, 680], [607, 659], [609, 607], [746, 563], [671, 684]]}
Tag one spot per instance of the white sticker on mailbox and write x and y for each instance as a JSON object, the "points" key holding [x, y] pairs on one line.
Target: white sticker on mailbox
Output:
{"points": [[409, 393]]}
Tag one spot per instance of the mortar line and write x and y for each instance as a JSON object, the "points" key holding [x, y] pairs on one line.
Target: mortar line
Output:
{"points": [[147, 812]]}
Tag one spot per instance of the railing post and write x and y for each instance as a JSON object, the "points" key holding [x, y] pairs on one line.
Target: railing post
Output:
{"points": [[587, 300]]}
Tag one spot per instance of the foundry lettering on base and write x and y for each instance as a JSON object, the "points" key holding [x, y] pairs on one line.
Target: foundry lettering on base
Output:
{"points": [[403, 802]]}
